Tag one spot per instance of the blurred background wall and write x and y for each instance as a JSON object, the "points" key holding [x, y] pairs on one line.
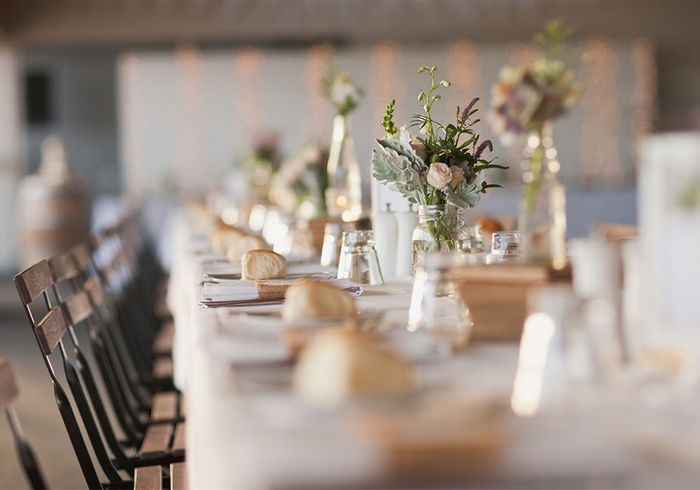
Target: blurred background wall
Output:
{"points": [[163, 96]]}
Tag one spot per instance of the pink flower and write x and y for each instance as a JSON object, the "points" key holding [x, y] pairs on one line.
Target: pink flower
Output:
{"points": [[439, 175], [457, 176]]}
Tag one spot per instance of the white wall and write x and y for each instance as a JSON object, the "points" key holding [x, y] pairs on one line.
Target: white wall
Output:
{"points": [[10, 151], [186, 116]]}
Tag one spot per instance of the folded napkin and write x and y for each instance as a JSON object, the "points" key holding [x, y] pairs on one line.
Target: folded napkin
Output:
{"points": [[245, 293]]}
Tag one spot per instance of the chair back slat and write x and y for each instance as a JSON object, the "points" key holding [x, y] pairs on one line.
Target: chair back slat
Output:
{"points": [[51, 329], [33, 281], [94, 291], [8, 385], [81, 253], [63, 267], [77, 308]]}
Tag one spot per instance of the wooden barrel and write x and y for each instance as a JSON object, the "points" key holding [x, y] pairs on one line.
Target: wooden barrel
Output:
{"points": [[51, 216]]}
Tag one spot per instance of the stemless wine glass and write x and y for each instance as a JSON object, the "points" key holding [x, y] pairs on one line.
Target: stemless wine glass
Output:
{"points": [[435, 305], [358, 258]]}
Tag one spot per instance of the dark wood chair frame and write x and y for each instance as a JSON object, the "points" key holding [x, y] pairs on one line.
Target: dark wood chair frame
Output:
{"points": [[145, 478], [86, 306], [38, 281], [124, 281], [34, 283], [25, 453]]}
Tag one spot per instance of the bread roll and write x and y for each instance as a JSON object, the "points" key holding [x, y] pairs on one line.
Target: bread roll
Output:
{"points": [[238, 247], [223, 236], [489, 226], [338, 364], [297, 338], [308, 300], [262, 264]]}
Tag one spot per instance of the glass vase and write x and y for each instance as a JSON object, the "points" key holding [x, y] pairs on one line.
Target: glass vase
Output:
{"points": [[542, 222], [344, 192], [440, 228]]}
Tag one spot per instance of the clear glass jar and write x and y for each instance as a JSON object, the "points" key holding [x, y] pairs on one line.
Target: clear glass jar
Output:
{"points": [[440, 228], [344, 192], [542, 222]]}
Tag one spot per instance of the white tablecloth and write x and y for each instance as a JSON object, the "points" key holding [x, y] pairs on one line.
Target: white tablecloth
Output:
{"points": [[245, 429]]}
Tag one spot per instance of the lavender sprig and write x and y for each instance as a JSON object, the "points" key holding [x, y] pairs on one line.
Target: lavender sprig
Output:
{"points": [[465, 113], [482, 147]]}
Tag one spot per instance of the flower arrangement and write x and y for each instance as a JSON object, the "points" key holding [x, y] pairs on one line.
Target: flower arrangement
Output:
{"points": [[344, 190], [442, 164], [263, 162], [527, 97], [300, 185], [341, 91]]}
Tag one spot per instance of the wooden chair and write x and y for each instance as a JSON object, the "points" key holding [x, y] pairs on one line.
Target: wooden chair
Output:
{"points": [[112, 355], [118, 360], [54, 329], [8, 393], [146, 478], [133, 289]]}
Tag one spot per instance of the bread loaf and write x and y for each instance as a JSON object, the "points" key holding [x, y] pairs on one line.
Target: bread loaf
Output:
{"points": [[339, 364], [262, 264], [309, 300], [223, 236]]}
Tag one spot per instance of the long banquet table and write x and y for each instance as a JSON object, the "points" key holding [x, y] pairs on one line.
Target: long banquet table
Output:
{"points": [[246, 429]]}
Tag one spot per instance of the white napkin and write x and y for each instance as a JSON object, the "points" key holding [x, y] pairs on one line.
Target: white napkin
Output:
{"points": [[237, 290]]}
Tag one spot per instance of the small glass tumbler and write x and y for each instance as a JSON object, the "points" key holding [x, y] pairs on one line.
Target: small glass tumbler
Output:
{"points": [[505, 246], [330, 251], [435, 305], [358, 258]]}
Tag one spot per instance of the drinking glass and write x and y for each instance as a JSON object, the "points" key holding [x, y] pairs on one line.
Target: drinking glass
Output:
{"points": [[358, 258], [505, 246], [435, 305]]}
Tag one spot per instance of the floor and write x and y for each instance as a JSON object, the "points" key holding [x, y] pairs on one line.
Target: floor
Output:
{"points": [[35, 406]]}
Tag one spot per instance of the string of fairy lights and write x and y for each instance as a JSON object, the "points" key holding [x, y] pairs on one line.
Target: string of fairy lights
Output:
{"points": [[316, 66], [604, 117], [599, 142], [129, 77], [190, 151], [386, 82], [247, 72], [644, 93]]}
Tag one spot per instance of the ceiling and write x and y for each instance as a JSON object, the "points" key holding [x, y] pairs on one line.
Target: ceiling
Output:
{"points": [[116, 23]]}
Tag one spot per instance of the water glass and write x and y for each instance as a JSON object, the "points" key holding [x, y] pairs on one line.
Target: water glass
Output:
{"points": [[435, 305], [358, 258], [505, 246]]}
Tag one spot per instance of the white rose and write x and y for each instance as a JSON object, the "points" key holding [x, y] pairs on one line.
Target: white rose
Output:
{"points": [[342, 91], [439, 175], [457, 176]]}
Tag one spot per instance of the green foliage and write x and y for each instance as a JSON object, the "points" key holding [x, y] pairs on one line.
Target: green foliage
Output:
{"points": [[554, 38], [404, 161], [428, 99], [388, 121]]}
